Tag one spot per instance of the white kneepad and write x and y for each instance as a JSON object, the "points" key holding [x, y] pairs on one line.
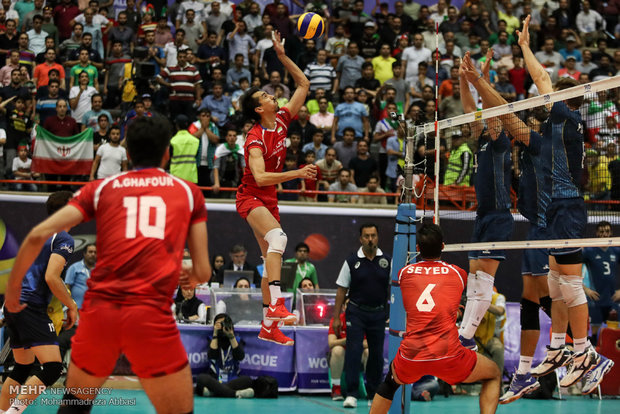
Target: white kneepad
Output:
{"points": [[276, 238], [553, 280], [572, 290]]}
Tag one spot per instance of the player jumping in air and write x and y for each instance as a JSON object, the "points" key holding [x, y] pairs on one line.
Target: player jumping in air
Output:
{"points": [[144, 217], [265, 150], [432, 292]]}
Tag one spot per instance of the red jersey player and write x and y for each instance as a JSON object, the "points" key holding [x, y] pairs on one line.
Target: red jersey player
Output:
{"points": [[265, 150], [432, 292], [144, 218]]}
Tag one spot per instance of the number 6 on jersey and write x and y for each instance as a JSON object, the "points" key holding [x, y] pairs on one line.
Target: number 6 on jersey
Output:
{"points": [[139, 216], [425, 302]]}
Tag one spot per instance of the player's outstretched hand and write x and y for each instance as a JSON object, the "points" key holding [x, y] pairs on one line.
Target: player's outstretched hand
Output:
{"points": [[524, 36], [72, 316], [486, 66], [470, 72], [278, 45], [308, 172], [11, 300]]}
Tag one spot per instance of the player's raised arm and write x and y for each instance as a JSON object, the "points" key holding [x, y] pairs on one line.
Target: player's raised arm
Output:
{"points": [[491, 98], [535, 69], [64, 219], [264, 178], [302, 83], [469, 105]]}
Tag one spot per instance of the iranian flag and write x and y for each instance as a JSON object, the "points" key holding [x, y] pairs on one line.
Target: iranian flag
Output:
{"points": [[63, 155]]}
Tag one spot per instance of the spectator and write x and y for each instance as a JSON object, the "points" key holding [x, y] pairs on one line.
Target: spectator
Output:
{"points": [[323, 119], [347, 148], [412, 56], [80, 97], [64, 13], [156, 54], [316, 145], [252, 17], [111, 157], [84, 65], [369, 41], [228, 165], [281, 21], [363, 166], [12, 64], [590, 24], [399, 84], [41, 72], [207, 132], [163, 33], [46, 105], [294, 148], [343, 184], [290, 164], [36, 36], [215, 18], [225, 354], [21, 170], [18, 127], [69, 46], [303, 126], [218, 104], [262, 45], [26, 56], [569, 69], [115, 68], [382, 64], [8, 39], [504, 87], [321, 73], [121, 33], [337, 44], [210, 55], [604, 70], [183, 82], [350, 114], [194, 32], [94, 29], [349, 67], [234, 74], [372, 186], [238, 255], [48, 24], [171, 48], [275, 80], [395, 149], [103, 134], [91, 118], [240, 42], [187, 307], [329, 167], [571, 49]]}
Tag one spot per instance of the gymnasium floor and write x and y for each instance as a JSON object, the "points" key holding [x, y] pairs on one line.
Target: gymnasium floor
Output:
{"points": [[323, 404]]}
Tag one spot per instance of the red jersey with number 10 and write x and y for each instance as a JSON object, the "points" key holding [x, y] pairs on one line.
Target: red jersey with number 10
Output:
{"points": [[272, 142], [431, 295], [143, 218]]}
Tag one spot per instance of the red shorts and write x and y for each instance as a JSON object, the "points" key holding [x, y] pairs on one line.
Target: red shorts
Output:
{"points": [[147, 335], [248, 202], [452, 370]]}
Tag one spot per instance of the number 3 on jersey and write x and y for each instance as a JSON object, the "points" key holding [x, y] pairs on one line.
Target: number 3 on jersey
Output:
{"points": [[425, 302], [139, 216]]}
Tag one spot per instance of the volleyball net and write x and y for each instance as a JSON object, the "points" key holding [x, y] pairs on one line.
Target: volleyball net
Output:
{"points": [[449, 194]]}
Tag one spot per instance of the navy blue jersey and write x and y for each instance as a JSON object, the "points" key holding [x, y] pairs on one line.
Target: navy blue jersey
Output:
{"points": [[534, 186], [34, 288], [563, 151], [492, 174], [603, 268]]}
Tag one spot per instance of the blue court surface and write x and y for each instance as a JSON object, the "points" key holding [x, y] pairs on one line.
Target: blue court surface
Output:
{"points": [[135, 401]]}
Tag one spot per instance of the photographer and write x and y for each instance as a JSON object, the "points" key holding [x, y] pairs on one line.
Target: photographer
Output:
{"points": [[188, 308], [225, 354]]}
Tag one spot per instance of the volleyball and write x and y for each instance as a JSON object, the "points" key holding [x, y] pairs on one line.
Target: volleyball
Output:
{"points": [[310, 26]]}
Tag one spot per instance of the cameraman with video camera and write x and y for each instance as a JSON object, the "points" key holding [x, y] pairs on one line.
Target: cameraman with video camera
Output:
{"points": [[225, 354]]}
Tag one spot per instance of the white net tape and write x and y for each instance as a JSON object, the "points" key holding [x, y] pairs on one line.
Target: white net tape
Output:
{"points": [[534, 244]]}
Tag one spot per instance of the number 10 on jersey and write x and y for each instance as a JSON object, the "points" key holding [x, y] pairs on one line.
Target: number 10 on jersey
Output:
{"points": [[139, 211]]}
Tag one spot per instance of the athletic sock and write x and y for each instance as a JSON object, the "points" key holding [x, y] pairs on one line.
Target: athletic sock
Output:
{"points": [[336, 382], [274, 291], [557, 339], [525, 364], [17, 407], [480, 305], [266, 321], [471, 287], [580, 344]]}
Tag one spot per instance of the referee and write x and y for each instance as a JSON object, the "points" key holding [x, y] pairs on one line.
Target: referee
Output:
{"points": [[365, 275]]}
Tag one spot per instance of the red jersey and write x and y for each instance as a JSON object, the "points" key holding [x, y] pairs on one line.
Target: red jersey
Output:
{"points": [[143, 218], [431, 295], [343, 326], [272, 144]]}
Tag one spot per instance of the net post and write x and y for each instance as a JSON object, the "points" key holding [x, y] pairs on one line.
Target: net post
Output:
{"points": [[408, 170], [404, 242]]}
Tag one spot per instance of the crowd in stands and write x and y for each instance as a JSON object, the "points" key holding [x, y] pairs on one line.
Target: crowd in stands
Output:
{"points": [[103, 64]]}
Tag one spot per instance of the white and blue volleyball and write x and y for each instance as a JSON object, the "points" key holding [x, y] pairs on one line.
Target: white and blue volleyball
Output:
{"points": [[310, 26]]}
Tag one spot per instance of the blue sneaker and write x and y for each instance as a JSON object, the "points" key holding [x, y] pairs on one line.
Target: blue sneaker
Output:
{"points": [[468, 343], [520, 385], [595, 376]]}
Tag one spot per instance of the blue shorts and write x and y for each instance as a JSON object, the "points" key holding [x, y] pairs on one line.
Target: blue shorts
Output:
{"points": [[566, 219], [535, 261], [600, 313], [491, 227]]}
